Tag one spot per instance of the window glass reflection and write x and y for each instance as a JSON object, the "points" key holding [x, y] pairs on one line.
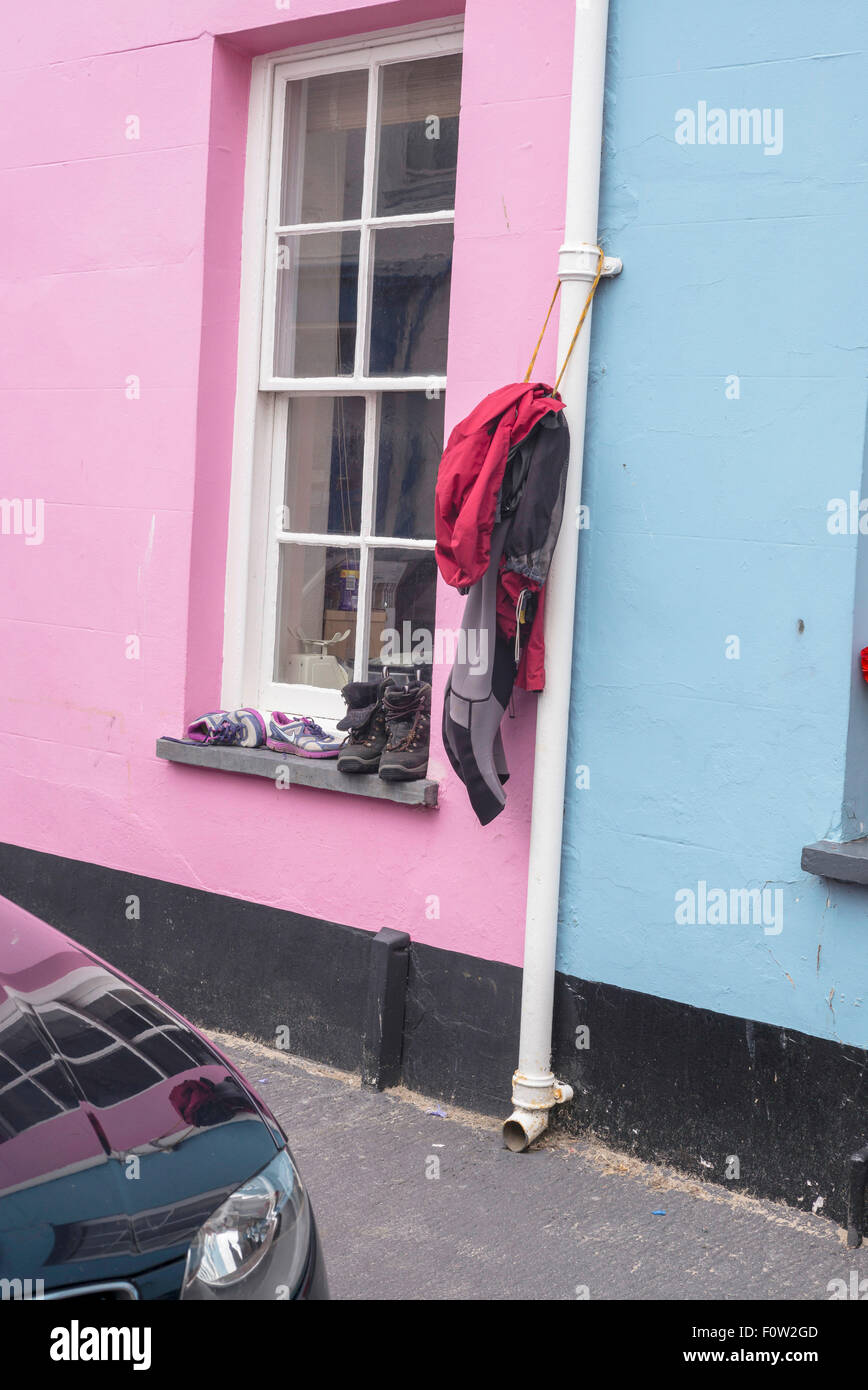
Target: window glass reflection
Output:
{"points": [[418, 135], [73, 1035], [114, 1077], [410, 300]]}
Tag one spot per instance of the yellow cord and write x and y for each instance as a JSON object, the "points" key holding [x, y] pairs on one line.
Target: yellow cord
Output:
{"points": [[584, 314], [542, 334]]}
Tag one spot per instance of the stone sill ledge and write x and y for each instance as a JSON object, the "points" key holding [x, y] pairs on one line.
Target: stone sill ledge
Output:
{"points": [[845, 862], [301, 772]]}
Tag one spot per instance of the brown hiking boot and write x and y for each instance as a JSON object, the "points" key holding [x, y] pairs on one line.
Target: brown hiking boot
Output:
{"points": [[366, 720], [408, 718]]}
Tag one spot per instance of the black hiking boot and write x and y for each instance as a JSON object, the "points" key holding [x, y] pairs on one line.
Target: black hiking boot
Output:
{"points": [[366, 720], [408, 718]]}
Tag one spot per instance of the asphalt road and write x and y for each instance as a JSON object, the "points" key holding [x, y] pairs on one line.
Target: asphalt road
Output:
{"points": [[412, 1205]]}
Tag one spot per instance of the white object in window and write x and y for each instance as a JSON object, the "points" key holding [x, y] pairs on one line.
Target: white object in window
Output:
{"points": [[349, 211]]}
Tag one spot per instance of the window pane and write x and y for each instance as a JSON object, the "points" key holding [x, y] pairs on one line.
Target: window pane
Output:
{"points": [[317, 599], [74, 1036], [23, 1045], [403, 597], [410, 446], [325, 439], [317, 293], [324, 148], [127, 1013], [7, 1071], [199, 1050], [54, 1080], [164, 1053], [25, 1105], [114, 1077], [418, 135], [410, 300]]}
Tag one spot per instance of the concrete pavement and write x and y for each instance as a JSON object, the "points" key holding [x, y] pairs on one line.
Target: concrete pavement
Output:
{"points": [[412, 1205]]}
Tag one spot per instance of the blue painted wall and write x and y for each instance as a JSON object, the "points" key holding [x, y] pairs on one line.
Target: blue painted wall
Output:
{"points": [[708, 516]]}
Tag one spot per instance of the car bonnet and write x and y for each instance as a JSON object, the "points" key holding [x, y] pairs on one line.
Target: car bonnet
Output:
{"points": [[121, 1128]]}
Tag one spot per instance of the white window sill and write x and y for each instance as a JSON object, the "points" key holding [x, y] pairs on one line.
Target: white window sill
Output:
{"points": [[302, 772]]}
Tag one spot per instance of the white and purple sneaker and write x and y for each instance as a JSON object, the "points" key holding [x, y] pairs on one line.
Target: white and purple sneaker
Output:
{"points": [[297, 734], [239, 728]]}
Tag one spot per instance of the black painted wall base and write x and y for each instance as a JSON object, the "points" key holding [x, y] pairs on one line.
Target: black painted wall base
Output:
{"points": [[698, 1090], [760, 1109]]}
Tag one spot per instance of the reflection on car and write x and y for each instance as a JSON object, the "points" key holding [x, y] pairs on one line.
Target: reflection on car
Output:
{"points": [[133, 1156]]}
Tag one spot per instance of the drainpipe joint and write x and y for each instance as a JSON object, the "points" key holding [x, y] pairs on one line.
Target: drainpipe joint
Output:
{"points": [[540, 1092], [579, 262]]}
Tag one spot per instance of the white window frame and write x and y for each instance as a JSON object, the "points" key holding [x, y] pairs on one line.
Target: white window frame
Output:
{"points": [[258, 462]]}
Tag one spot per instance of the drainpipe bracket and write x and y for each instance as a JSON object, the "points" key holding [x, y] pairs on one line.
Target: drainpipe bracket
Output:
{"points": [[539, 1092], [580, 263]]}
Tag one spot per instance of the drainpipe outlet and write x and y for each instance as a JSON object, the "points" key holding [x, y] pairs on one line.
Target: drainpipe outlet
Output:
{"points": [[533, 1098], [522, 1127]]}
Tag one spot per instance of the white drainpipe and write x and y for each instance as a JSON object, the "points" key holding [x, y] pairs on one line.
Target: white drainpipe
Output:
{"points": [[535, 1090]]}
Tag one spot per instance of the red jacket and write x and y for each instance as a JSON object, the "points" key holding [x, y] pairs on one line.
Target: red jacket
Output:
{"points": [[465, 502]]}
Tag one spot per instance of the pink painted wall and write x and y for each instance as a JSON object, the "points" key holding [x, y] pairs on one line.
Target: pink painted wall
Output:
{"points": [[121, 259]]}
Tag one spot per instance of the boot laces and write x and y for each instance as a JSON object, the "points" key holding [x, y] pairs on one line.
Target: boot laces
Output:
{"points": [[405, 718]]}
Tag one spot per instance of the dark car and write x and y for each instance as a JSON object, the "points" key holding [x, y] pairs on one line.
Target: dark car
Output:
{"points": [[135, 1161]]}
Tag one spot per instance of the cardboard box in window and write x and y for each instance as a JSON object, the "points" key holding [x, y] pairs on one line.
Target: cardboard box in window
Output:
{"points": [[335, 620]]}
